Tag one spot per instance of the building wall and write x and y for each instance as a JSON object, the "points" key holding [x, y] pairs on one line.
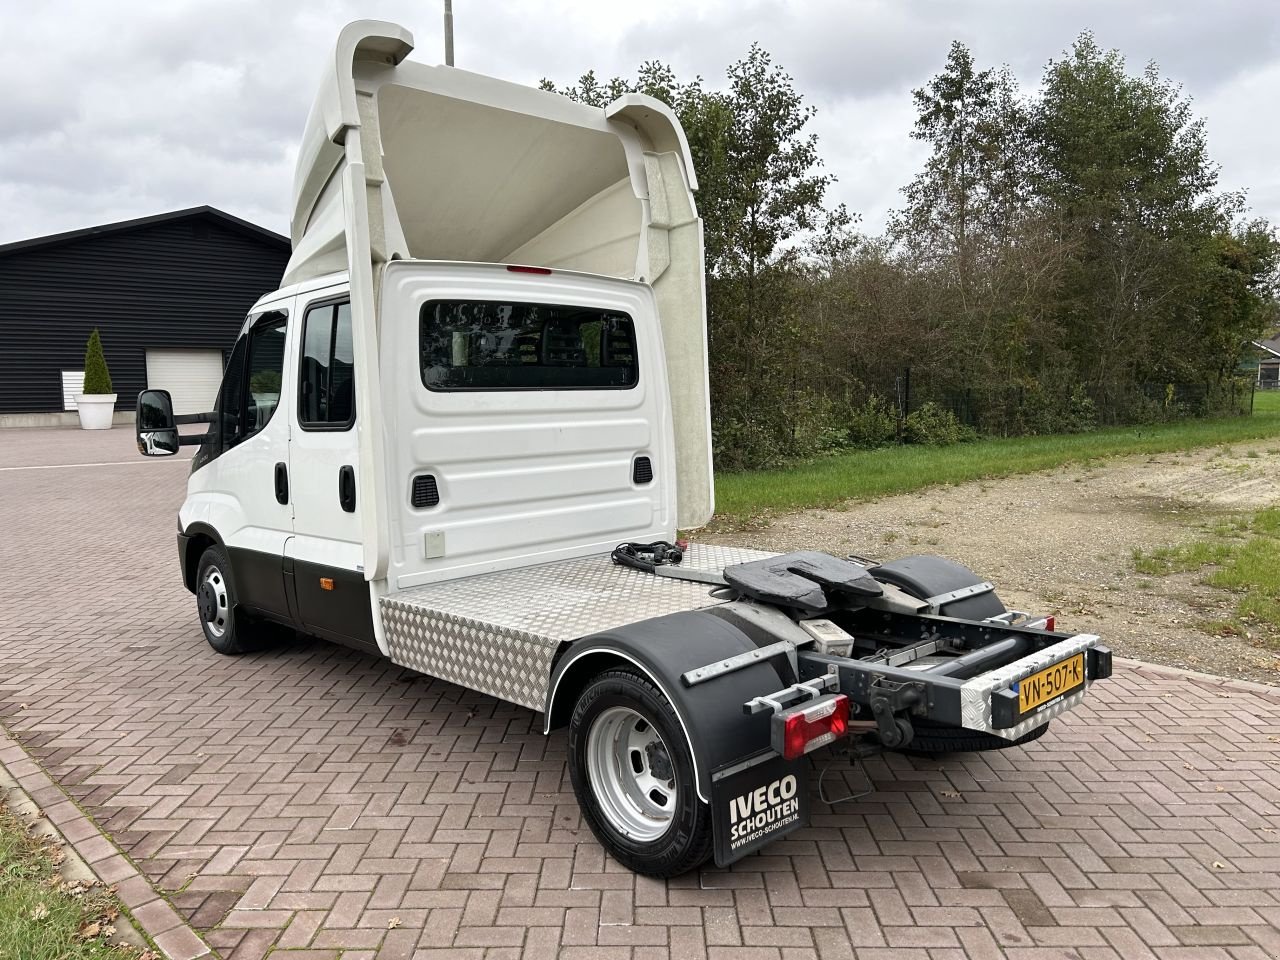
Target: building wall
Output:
{"points": [[179, 283]]}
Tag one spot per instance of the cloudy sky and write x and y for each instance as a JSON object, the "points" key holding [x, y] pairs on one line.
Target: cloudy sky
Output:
{"points": [[118, 110]]}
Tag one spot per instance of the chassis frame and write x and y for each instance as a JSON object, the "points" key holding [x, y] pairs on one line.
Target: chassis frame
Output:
{"points": [[975, 687]]}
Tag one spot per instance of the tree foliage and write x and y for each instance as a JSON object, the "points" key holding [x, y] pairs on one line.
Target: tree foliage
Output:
{"points": [[97, 379], [974, 185], [1066, 257], [1123, 163], [1063, 258], [762, 200]]}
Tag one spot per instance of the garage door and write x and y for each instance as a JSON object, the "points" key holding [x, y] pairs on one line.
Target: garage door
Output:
{"points": [[191, 377]]}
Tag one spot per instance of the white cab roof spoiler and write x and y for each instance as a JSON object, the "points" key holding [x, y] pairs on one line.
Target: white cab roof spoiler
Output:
{"points": [[463, 167]]}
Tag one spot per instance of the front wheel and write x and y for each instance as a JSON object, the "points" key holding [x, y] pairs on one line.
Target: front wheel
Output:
{"points": [[227, 629], [633, 775]]}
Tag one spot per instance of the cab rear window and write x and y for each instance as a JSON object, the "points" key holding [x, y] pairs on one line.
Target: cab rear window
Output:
{"points": [[503, 345]]}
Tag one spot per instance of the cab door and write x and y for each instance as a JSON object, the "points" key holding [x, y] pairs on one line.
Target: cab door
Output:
{"points": [[239, 487], [326, 553]]}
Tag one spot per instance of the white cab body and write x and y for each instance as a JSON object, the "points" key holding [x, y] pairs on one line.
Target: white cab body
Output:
{"points": [[550, 412], [523, 476]]}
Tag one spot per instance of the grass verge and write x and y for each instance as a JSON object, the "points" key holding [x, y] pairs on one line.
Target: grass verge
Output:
{"points": [[43, 916], [1244, 554], [867, 474]]}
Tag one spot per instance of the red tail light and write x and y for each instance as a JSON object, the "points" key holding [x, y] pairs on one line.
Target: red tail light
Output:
{"points": [[543, 271], [1049, 624], [814, 725]]}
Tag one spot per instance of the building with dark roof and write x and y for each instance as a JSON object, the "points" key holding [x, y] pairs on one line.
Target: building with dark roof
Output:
{"points": [[167, 294], [1268, 363]]}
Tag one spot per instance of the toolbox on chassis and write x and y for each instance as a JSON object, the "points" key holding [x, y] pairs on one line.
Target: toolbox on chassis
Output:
{"points": [[463, 436]]}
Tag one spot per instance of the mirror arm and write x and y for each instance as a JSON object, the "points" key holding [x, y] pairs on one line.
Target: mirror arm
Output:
{"points": [[191, 440], [195, 418]]}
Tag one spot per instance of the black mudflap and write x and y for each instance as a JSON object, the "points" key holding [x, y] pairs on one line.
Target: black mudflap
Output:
{"points": [[753, 807]]}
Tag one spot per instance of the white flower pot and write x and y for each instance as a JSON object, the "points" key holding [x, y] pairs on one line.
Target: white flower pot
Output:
{"points": [[95, 410]]}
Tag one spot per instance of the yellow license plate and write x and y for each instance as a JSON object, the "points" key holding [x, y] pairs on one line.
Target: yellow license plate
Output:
{"points": [[1050, 683]]}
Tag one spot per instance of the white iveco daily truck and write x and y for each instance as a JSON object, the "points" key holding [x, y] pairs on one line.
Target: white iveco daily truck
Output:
{"points": [[463, 436]]}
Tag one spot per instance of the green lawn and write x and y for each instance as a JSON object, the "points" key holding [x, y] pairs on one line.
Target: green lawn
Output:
{"points": [[42, 917], [867, 474], [1244, 554]]}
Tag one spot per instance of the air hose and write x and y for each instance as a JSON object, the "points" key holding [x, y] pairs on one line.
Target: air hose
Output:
{"points": [[659, 558]]}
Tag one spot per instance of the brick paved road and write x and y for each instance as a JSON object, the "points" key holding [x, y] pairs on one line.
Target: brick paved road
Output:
{"points": [[316, 800]]}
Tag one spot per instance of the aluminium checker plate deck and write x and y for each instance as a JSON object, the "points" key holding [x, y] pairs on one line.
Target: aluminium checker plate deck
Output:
{"points": [[498, 632]]}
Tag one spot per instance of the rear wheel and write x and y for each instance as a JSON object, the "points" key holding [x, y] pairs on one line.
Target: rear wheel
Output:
{"points": [[633, 775], [228, 630]]}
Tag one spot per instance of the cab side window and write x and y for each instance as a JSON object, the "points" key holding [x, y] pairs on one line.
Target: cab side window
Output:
{"points": [[250, 390], [229, 397], [266, 367], [326, 380]]}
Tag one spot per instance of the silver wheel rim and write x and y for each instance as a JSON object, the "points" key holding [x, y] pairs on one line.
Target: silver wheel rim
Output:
{"points": [[622, 747], [216, 617]]}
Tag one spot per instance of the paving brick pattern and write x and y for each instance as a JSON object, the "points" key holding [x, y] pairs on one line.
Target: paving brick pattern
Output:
{"points": [[97, 854], [311, 802]]}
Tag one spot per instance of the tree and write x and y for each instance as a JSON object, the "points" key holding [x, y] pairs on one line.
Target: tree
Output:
{"points": [[775, 189], [1062, 257], [1237, 295], [761, 199], [1115, 149], [97, 380], [590, 90], [974, 185], [1122, 163], [757, 168], [973, 245]]}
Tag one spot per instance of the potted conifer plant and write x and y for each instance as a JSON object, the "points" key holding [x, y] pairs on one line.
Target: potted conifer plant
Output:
{"points": [[97, 403]]}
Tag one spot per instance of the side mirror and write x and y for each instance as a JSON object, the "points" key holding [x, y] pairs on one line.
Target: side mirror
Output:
{"points": [[156, 429]]}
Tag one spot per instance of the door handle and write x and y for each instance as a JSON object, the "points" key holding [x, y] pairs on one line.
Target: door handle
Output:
{"points": [[347, 488], [282, 483]]}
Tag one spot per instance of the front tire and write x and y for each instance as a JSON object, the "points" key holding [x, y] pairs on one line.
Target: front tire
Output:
{"points": [[227, 629], [633, 776]]}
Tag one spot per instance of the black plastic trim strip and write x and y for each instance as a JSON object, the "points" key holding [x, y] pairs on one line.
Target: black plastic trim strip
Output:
{"points": [[259, 580]]}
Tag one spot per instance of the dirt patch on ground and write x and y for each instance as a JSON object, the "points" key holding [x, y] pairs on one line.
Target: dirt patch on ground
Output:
{"points": [[1062, 542]]}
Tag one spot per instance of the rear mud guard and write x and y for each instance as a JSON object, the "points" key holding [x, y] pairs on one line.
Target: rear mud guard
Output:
{"points": [[755, 795]]}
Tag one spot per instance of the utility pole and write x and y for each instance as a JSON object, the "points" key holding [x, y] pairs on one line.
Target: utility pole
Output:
{"points": [[448, 33]]}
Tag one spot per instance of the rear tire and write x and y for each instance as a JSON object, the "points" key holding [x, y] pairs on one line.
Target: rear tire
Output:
{"points": [[633, 776], [228, 629]]}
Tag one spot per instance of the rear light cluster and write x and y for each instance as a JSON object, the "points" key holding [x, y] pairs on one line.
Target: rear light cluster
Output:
{"points": [[805, 728]]}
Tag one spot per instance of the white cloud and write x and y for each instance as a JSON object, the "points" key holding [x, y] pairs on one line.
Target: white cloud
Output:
{"points": [[1245, 139], [133, 108]]}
